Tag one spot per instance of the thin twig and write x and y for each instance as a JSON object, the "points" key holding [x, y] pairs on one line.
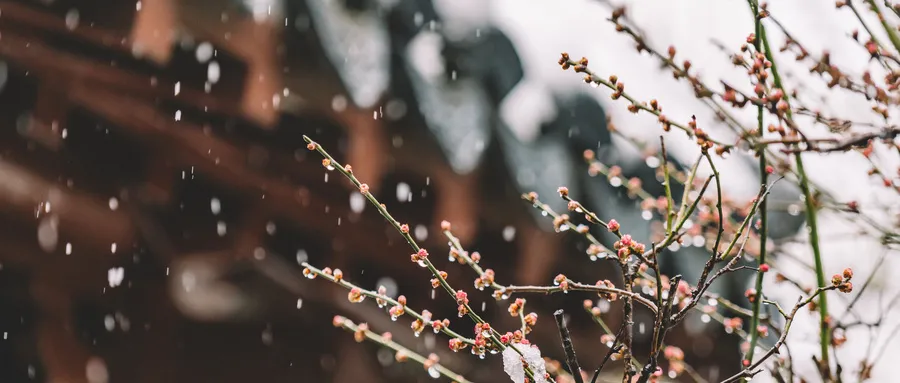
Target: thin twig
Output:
{"points": [[568, 347]]}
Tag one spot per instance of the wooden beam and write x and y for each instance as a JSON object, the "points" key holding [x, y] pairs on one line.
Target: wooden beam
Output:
{"points": [[153, 32], [48, 119], [18, 16], [82, 218], [188, 146], [44, 61]]}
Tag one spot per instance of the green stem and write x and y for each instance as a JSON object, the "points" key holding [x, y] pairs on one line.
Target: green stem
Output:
{"points": [[824, 335], [670, 204], [763, 230]]}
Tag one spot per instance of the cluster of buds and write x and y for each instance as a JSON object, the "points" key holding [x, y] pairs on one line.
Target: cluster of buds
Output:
{"points": [[355, 295], [594, 250], [530, 322], [462, 299], [730, 95], [675, 356], [683, 290], [607, 340], [309, 273], [613, 226], [751, 295], [417, 326], [703, 139], [457, 344], [732, 324], [564, 61], [382, 291], [431, 361], [399, 309], [486, 279], [562, 282], [483, 333], [454, 255], [515, 308], [620, 89], [439, 325], [560, 221], [842, 281], [360, 334], [419, 256], [626, 246], [605, 295], [436, 282], [634, 186]]}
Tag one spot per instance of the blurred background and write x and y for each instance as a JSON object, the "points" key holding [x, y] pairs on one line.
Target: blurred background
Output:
{"points": [[156, 195]]}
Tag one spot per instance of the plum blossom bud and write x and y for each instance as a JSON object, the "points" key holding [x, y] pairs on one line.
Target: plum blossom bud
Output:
{"points": [[360, 334], [751, 295], [457, 344], [846, 287], [560, 278], [613, 225], [837, 279], [516, 307], [419, 256], [404, 228], [355, 295], [445, 225], [396, 311], [461, 297], [848, 273], [311, 146], [431, 361], [364, 189]]}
